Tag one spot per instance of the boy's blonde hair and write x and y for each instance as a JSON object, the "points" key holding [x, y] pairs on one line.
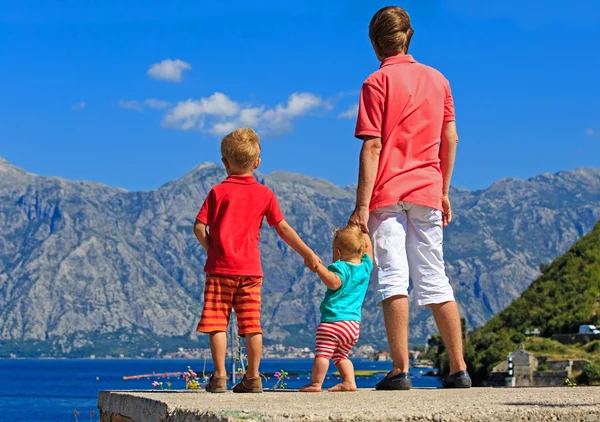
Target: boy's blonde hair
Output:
{"points": [[241, 148], [350, 241], [390, 31]]}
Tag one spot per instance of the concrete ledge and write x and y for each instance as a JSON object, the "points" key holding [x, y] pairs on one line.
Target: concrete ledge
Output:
{"points": [[580, 404]]}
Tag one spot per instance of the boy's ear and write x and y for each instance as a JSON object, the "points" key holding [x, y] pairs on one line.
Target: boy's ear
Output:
{"points": [[257, 163], [225, 162]]}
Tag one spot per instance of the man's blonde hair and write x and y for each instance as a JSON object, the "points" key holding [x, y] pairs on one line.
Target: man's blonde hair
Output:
{"points": [[241, 148], [350, 241], [390, 31]]}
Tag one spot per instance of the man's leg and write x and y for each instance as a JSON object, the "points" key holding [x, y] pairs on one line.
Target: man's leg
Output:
{"points": [[254, 351], [424, 248], [387, 228], [447, 319], [218, 349], [395, 314]]}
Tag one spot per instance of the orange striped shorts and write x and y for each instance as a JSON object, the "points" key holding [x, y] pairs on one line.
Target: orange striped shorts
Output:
{"points": [[224, 292]]}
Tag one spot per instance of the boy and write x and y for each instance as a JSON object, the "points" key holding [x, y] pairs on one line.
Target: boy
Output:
{"points": [[347, 280], [402, 196], [233, 212]]}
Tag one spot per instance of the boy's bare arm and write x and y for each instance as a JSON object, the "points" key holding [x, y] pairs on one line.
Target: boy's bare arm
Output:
{"points": [[369, 248], [330, 279], [447, 157], [369, 164], [289, 236], [202, 234]]}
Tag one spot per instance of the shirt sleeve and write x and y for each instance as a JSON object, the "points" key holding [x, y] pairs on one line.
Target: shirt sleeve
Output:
{"points": [[370, 111], [273, 212], [205, 213], [449, 105], [342, 271]]}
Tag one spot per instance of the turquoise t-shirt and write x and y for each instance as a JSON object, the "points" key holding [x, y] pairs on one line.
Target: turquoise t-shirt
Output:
{"points": [[345, 303]]}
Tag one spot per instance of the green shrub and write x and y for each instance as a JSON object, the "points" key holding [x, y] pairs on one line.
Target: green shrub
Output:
{"points": [[593, 347], [589, 375], [542, 368]]}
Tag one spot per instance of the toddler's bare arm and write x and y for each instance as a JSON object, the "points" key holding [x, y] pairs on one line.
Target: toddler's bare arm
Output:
{"points": [[202, 234], [330, 279]]}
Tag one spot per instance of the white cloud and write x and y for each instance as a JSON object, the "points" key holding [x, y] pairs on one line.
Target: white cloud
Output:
{"points": [[169, 70], [590, 131], [130, 105], [350, 113], [156, 104], [219, 115], [79, 106]]}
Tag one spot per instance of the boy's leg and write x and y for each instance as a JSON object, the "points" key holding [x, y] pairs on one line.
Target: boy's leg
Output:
{"points": [[319, 371], [246, 303], [218, 295], [254, 351], [432, 288], [388, 228], [218, 350]]}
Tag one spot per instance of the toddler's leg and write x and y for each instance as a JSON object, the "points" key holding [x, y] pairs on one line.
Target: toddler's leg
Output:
{"points": [[254, 350], [319, 370], [218, 349], [347, 372]]}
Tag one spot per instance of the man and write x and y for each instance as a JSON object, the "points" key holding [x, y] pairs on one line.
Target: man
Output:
{"points": [[402, 197]]}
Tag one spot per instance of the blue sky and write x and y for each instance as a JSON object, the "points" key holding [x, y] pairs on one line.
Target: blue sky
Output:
{"points": [[81, 99]]}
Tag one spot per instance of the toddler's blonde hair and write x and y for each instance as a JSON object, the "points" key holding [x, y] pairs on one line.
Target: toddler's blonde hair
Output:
{"points": [[241, 148], [350, 241]]}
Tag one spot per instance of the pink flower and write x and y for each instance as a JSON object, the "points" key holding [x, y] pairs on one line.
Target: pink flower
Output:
{"points": [[155, 384], [194, 374], [277, 374], [185, 375]]}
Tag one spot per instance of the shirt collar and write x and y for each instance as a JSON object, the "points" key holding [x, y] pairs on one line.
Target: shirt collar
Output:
{"points": [[240, 179], [398, 59]]}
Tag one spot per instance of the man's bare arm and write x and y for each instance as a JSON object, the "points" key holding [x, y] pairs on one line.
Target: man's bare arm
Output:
{"points": [[448, 153], [202, 234], [447, 157], [369, 164]]}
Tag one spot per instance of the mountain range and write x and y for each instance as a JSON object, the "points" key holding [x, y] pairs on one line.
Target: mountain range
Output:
{"points": [[87, 268]]}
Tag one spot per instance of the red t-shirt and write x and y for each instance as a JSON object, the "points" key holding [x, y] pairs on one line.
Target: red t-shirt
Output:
{"points": [[234, 211], [405, 104]]}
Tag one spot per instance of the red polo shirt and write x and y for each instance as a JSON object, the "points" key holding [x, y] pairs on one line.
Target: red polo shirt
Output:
{"points": [[234, 211], [405, 104]]}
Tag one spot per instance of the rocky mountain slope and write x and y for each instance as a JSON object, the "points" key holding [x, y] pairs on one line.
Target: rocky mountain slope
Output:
{"points": [[86, 268]]}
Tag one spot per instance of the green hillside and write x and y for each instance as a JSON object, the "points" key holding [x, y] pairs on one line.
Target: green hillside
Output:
{"points": [[564, 296]]}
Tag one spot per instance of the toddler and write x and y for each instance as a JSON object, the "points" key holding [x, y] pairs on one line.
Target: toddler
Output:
{"points": [[347, 280]]}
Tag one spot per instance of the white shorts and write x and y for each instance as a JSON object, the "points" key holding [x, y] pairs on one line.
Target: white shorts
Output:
{"points": [[407, 242]]}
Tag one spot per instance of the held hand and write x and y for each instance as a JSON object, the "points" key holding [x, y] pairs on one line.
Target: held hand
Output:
{"points": [[446, 211], [360, 218], [312, 262]]}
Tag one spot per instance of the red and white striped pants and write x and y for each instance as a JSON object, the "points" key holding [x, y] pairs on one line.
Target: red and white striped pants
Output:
{"points": [[335, 339]]}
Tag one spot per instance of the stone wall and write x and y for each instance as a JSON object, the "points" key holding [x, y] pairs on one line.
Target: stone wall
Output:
{"points": [[549, 378], [575, 338]]}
